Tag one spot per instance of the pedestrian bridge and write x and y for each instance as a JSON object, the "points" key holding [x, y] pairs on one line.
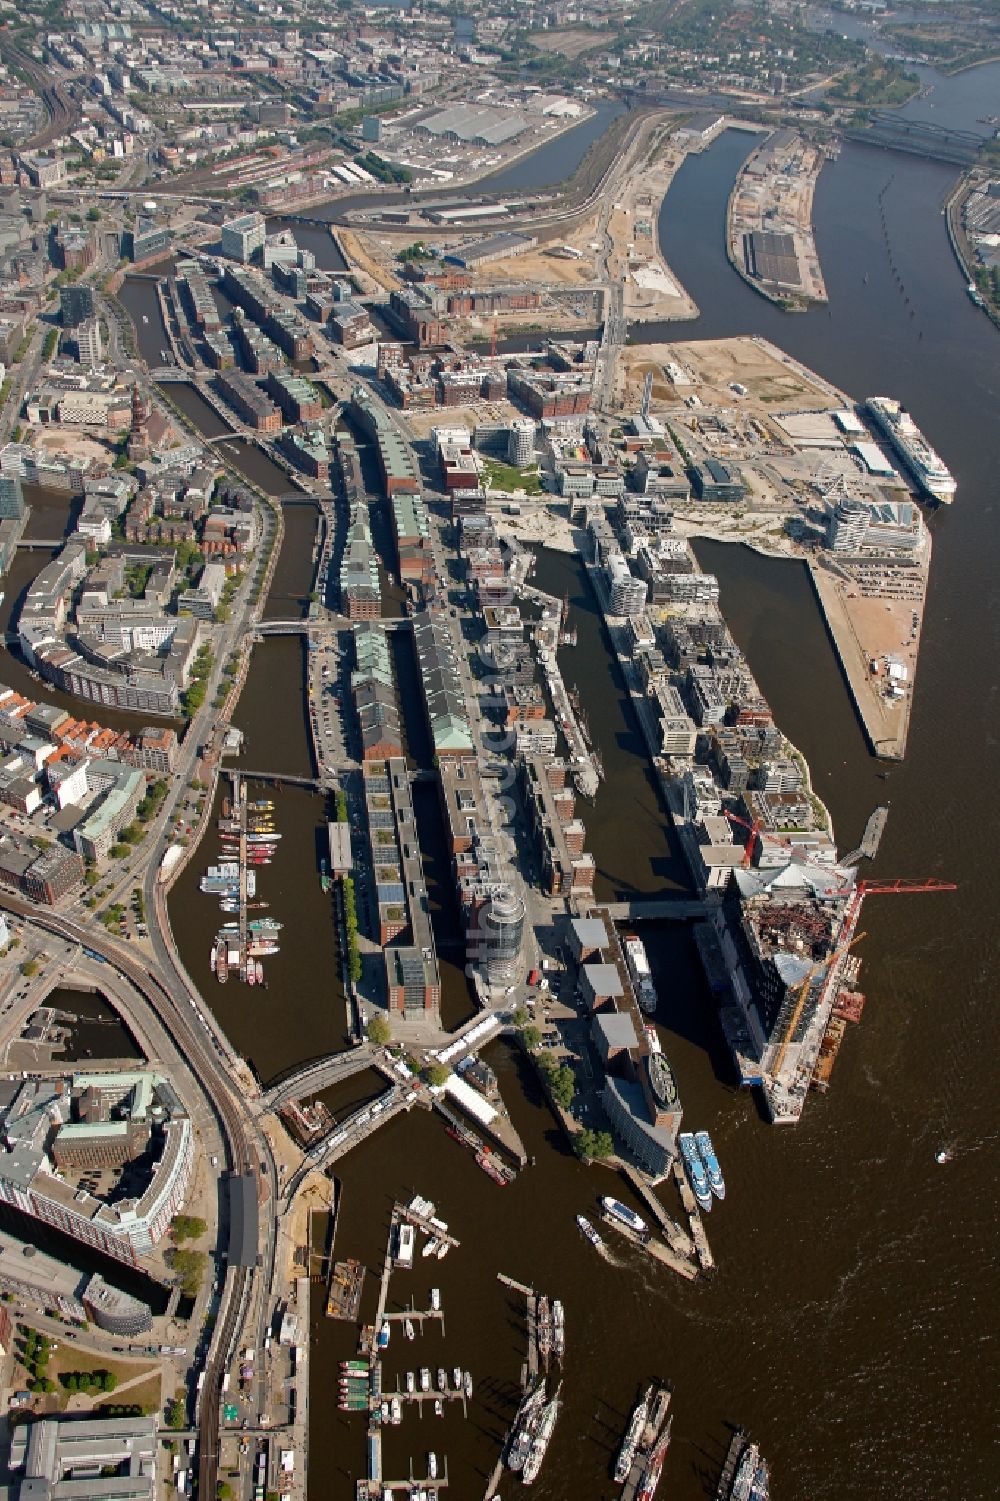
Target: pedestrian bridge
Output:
{"points": [[330, 624], [317, 1076]]}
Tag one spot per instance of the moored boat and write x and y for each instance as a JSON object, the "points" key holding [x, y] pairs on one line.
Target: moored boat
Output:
{"points": [[642, 978], [746, 1470], [626, 1216], [649, 1479], [697, 1176], [541, 1440], [716, 1181], [633, 1433]]}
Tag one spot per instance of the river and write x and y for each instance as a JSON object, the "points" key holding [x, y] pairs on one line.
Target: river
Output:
{"points": [[849, 1326]]}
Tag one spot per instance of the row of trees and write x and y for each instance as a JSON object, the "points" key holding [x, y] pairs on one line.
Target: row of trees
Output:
{"points": [[89, 1381], [589, 1145], [351, 929]]}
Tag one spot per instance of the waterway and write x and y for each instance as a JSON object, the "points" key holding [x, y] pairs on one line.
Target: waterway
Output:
{"points": [[848, 1325]]}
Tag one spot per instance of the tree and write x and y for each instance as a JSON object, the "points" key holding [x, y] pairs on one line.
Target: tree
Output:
{"points": [[531, 1037], [593, 1146], [562, 1082], [187, 1227], [223, 1490], [379, 1031], [108, 1380], [29, 968], [437, 1074], [176, 1412], [520, 1017]]}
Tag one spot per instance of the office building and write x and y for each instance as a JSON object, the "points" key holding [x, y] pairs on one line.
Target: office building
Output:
{"points": [[242, 236], [76, 305], [67, 1459]]}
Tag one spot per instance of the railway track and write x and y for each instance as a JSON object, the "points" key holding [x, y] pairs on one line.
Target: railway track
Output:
{"points": [[242, 1158], [61, 111]]}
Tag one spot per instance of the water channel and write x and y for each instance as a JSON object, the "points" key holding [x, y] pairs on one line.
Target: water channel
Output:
{"points": [[848, 1326]]}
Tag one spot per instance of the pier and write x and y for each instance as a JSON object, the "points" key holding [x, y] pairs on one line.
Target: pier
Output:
{"points": [[871, 838], [736, 1446], [702, 1249], [655, 1248]]}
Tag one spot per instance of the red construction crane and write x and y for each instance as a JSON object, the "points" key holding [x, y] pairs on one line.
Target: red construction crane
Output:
{"points": [[754, 828]]}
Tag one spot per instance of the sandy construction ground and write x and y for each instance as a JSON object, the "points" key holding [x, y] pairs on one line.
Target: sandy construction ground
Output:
{"points": [[714, 365]]}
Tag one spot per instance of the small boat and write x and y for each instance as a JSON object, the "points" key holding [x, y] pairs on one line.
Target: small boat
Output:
{"points": [[411, 1382], [626, 1216], [408, 1329], [251, 974], [430, 1249], [355, 1365], [442, 1379], [259, 971], [425, 1379], [942, 1156], [590, 1232], [467, 1384], [438, 1408], [443, 1249], [396, 1409], [212, 958], [385, 1411], [384, 1334], [436, 1299], [456, 1378], [432, 1464]]}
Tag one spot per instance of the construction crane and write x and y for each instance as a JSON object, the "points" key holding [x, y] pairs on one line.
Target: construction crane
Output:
{"points": [[493, 339], [900, 886], [800, 999], [754, 828]]}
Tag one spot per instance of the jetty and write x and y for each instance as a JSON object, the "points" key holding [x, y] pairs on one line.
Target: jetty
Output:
{"points": [[736, 1446], [702, 1249], [653, 1247]]}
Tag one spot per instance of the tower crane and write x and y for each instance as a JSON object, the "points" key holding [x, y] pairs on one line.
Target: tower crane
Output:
{"points": [[898, 886], [800, 1000], [754, 828]]}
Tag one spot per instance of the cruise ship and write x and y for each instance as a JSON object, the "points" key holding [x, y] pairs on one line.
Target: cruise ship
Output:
{"points": [[926, 467], [635, 958], [697, 1175], [716, 1181]]}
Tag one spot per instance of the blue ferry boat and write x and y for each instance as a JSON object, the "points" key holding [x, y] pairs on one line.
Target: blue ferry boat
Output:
{"points": [[716, 1181], [695, 1170]]}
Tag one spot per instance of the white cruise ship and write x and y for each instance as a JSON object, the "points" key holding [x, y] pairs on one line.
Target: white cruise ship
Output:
{"points": [[635, 958], [926, 467]]}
